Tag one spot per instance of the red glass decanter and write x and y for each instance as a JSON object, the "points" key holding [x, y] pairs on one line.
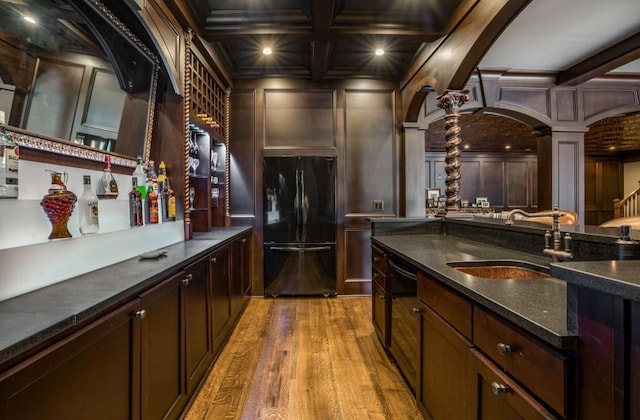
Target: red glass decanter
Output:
{"points": [[58, 204]]}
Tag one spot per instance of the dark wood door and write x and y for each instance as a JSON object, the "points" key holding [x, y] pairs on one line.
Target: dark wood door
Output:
{"points": [[379, 312], [237, 272], [93, 374], [163, 384], [196, 322], [220, 296], [444, 391], [602, 183]]}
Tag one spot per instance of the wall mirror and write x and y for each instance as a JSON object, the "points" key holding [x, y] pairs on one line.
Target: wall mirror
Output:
{"points": [[75, 80]]}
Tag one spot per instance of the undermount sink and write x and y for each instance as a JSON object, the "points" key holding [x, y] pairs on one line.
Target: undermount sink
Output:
{"points": [[501, 270]]}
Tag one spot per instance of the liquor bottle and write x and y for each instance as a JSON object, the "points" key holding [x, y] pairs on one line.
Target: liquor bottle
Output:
{"points": [[8, 163], [141, 177], [88, 209], [168, 202], [152, 204], [135, 204], [107, 186], [152, 178], [162, 172]]}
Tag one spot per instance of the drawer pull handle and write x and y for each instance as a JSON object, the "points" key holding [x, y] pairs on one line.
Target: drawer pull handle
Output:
{"points": [[187, 279], [375, 275], [498, 389], [214, 260], [416, 311], [381, 297], [140, 314], [504, 349]]}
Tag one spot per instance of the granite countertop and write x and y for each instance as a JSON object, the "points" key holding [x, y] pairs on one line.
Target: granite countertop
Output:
{"points": [[33, 318], [537, 305], [618, 278]]}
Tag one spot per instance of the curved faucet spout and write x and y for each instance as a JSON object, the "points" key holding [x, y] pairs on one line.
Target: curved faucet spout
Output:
{"points": [[512, 213]]}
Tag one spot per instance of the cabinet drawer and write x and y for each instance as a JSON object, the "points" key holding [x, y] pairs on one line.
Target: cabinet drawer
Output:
{"points": [[447, 303], [498, 397], [379, 259], [538, 367], [379, 277]]}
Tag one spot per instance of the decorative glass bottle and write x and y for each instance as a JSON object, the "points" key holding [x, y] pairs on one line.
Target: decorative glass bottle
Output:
{"points": [[88, 209], [107, 186], [58, 205]]}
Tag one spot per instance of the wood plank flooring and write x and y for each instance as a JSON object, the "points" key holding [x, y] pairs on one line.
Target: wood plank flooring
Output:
{"points": [[304, 358]]}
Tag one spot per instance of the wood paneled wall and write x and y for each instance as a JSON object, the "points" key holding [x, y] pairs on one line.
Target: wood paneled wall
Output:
{"points": [[355, 121], [508, 180]]}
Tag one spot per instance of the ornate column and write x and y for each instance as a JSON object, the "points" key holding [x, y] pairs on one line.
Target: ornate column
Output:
{"points": [[188, 226], [451, 101]]}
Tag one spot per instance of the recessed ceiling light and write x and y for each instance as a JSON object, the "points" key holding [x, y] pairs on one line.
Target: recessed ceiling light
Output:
{"points": [[267, 51], [379, 51], [508, 146], [612, 147], [466, 146], [29, 19]]}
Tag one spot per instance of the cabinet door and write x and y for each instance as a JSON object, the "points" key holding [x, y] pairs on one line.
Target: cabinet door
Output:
{"points": [[444, 391], [163, 385], [379, 311], [220, 296], [237, 261], [498, 397], [246, 265], [93, 374], [196, 322]]}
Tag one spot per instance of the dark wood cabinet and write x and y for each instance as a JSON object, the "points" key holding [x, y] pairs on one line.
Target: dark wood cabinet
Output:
{"points": [[163, 393], [444, 391], [220, 296], [240, 274], [143, 360], [380, 304], [196, 322], [475, 364], [92, 374]]}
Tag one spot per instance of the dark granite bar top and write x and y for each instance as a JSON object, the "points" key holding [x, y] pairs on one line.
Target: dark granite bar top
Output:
{"points": [[33, 318], [537, 305], [618, 278]]}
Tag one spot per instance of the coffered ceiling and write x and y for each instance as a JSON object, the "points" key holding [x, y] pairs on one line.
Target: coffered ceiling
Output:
{"points": [[321, 39]]}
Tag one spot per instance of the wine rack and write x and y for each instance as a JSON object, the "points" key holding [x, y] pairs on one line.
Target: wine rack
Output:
{"points": [[207, 161]]}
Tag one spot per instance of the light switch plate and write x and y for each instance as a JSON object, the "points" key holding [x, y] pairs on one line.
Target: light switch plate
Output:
{"points": [[378, 205]]}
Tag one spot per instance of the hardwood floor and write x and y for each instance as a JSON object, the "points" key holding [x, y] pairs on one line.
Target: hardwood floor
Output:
{"points": [[306, 358]]}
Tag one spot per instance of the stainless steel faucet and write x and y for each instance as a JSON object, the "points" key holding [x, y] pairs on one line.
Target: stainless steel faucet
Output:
{"points": [[555, 246]]}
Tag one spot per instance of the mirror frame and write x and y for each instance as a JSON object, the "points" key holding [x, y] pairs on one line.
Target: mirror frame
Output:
{"points": [[41, 142]]}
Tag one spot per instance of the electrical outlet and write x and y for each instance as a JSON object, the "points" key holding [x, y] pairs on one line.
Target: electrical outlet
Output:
{"points": [[378, 205]]}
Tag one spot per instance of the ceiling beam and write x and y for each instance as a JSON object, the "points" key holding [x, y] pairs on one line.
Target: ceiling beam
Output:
{"points": [[322, 20], [611, 58]]}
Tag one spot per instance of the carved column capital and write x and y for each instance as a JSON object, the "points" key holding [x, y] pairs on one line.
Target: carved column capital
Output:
{"points": [[452, 100]]}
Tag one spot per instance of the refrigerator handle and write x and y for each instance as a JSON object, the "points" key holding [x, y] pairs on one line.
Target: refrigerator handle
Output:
{"points": [[296, 204]]}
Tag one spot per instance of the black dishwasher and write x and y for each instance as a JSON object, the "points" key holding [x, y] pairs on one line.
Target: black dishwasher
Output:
{"points": [[405, 324]]}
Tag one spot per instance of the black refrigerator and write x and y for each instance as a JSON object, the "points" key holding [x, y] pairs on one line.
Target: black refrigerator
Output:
{"points": [[299, 206]]}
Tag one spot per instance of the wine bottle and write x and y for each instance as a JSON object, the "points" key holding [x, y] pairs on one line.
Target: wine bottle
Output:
{"points": [[88, 209], [135, 204], [107, 186], [9, 157]]}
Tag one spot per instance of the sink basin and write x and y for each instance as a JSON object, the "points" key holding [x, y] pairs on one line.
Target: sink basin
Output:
{"points": [[501, 270]]}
